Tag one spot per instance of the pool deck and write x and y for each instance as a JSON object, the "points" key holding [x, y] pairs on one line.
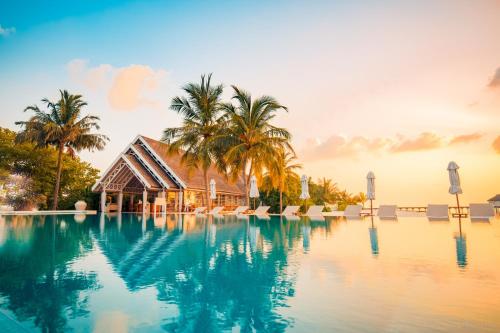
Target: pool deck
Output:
{"points": [[49, 212]]}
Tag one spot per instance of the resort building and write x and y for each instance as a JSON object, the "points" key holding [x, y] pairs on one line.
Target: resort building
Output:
{"points": [[146, 178]]}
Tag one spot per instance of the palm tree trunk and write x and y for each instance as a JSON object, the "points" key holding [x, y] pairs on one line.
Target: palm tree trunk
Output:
{"points": [[58, 175], [207, 189], [247, 193], [247, 181]]}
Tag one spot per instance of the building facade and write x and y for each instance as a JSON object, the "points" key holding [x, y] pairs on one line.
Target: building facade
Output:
{"points": [[146, 178]]}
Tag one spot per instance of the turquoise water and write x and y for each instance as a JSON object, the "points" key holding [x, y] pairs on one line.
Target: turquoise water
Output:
{"points": [[197, 274]]}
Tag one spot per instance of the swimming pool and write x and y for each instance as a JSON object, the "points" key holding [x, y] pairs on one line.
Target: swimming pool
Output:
{"points": [[181, 273]]}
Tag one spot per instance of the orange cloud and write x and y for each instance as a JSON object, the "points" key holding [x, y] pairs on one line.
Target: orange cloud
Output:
{"points": [[337, 146], [128, 88], [425, 141], [466, 138], [130, 84], [496, 144]]}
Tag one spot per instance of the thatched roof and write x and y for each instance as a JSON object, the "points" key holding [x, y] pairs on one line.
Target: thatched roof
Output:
{"points": [[147, 163]]}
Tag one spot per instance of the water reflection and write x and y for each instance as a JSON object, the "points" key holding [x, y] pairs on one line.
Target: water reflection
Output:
{"points": [[222, 272], [373, 238], [36, 282], [461, 246], [213, 274]]}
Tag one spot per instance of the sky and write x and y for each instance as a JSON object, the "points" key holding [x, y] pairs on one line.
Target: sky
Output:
{"points": [[396, 87]]}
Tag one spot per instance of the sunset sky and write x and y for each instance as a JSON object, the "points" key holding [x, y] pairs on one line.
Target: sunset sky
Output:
{"points": [[395, 87]]}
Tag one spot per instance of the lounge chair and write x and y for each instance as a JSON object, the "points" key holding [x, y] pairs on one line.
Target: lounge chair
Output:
{"points": [[162, 202], [387, 212], [261, 210], [199, 210], [216, 210], [239, 210], [437, 212], [291, 210], [353, 211], [481, 212], [315, 211], [292, 218]]}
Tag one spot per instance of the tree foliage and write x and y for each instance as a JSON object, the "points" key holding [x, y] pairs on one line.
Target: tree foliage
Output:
{"points": [[63, 127], [37, 167], [323, 192], [251, 141], [201, 124]]}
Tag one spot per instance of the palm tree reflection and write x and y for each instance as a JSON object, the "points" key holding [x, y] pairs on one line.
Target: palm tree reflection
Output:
{"points": [[37, 281], [220, 273]]}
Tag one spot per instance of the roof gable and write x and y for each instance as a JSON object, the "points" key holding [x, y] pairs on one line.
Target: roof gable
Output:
{"points": [[193, 179]]}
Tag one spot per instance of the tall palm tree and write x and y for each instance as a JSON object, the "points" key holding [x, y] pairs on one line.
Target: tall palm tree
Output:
{"points": [[64, 128], [202, 119], [282, 171], [250, 141]]}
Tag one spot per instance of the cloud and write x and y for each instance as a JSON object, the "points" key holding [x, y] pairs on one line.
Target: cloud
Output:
{"points": [[130, 84], [425, 141], [495, 80], [337, 146], [126, 88], [5, 32], [465, 138], [496, 144]]}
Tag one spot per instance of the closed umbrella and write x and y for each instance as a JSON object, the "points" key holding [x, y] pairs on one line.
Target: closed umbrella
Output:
{"points": [[254, 190], [455, 183], [213, 194], [304, 195], [370, 189]]}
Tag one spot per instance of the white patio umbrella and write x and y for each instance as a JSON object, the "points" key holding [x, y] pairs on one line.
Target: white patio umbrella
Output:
{"points": [[304, 194], [254, 190], [213, 194], [370, 189], [454, 182]]}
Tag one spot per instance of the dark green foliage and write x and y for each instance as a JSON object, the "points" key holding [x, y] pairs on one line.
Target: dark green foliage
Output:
{"points": [[63, 127], [322, 192], [38, 166]]}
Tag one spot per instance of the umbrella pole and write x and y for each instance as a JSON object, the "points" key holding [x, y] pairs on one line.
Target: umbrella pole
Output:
{"points": [[458, 206], [371, 207]]}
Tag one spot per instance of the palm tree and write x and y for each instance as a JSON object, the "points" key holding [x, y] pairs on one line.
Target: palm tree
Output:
{"points": [[282, 170], [202, 119], [250, 141], [328, 190], [62, 127]]}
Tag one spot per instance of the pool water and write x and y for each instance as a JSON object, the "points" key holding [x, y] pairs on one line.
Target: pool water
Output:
{"points": [[181, 273]]}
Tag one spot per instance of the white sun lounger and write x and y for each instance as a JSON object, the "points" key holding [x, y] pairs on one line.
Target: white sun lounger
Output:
{"points": [[387, 211], [239, 210], [291, 210], [353, 211], [437, 212], [216, 210], [199, 210], [480, 212], [315, 211], [261, 210], [292, 218]]}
